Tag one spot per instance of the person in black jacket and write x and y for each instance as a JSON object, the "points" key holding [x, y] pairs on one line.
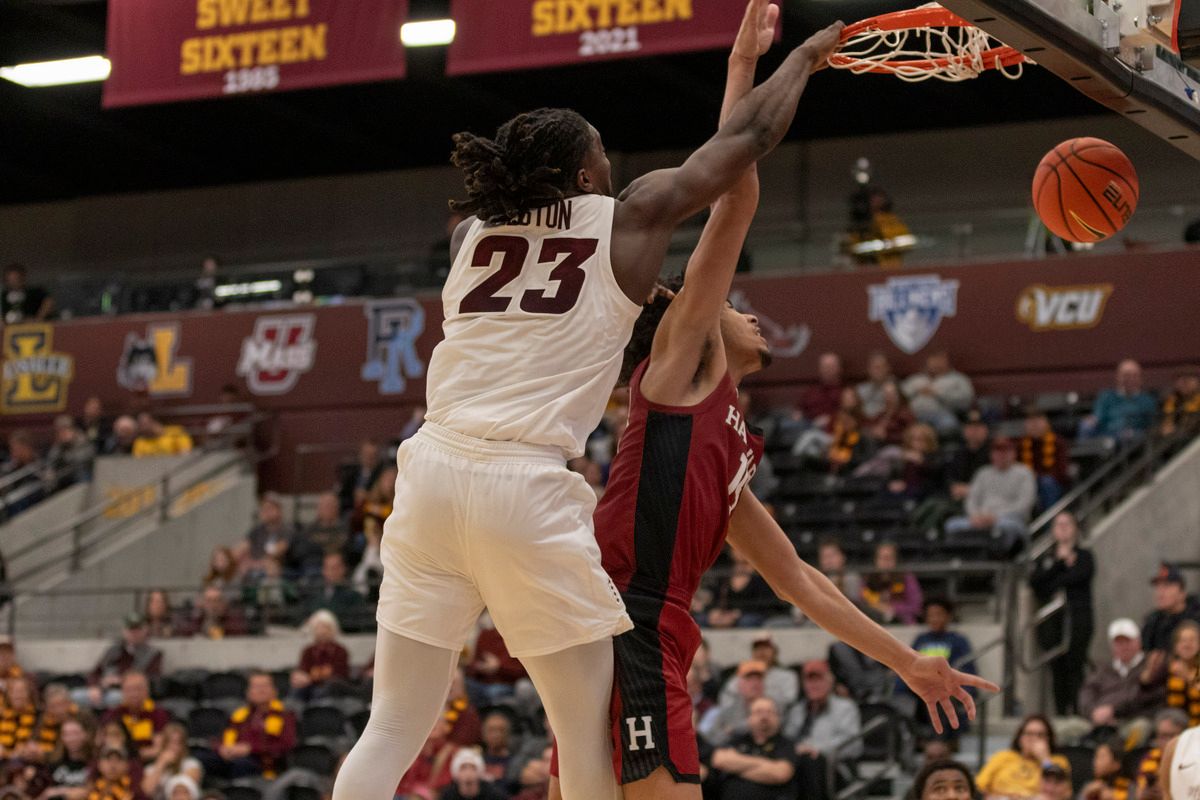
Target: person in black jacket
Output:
{"points": [[1172, 605], [1068, 568]]}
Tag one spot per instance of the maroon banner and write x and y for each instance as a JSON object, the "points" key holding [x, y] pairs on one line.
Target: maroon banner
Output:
{"points": [[496, 35], [192, 49]]}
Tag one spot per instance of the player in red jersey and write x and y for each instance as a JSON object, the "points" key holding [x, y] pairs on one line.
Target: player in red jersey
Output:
{"points": [[672, 500]]}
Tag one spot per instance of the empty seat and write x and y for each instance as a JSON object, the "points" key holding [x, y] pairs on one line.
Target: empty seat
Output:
{"points": [[223, 685], [316, 758], [206, 723], [322, 720]]}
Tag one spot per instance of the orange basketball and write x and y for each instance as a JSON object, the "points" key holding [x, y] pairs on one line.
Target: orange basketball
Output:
{"points": [[1085, 190]]}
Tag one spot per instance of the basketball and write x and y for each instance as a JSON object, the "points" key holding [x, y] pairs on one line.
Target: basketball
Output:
{"points": [[1085, 190]]}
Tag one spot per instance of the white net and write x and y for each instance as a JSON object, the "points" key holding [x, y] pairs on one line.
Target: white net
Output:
{"points": [[945, 52]]}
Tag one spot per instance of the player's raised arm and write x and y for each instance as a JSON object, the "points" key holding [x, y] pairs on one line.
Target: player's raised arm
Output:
{"points": [[654, 204], [759, 538]]}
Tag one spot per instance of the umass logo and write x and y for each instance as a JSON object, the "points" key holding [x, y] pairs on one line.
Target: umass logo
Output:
{"points": [[912, 308]]}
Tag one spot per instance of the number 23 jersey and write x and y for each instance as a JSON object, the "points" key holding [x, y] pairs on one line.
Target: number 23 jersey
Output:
{"points": [[535, 328]]}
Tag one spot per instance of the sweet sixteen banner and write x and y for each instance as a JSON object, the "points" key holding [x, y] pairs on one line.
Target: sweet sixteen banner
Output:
{"points": [[168, 50], [496, 35]]}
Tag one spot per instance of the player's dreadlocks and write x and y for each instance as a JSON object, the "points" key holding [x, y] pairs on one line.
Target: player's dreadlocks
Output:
{"points": [[638, 349], [531, 163]]}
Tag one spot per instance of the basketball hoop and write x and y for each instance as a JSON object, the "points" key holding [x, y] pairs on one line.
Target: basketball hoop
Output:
{"points": [[923, 43]]}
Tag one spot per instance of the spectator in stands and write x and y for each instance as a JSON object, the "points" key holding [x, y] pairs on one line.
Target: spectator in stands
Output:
{"points": [[466, 772], [20, 302], [729, 718], [140, 716], [71, 762], [831, 560], [377, 505], [742, 598], [759, 762], [820, 723], [323, 663], [160, 617], [871, 391], [18, 717], [57, 708], [1045, 452], [779, 683], [936, 640], [204, 288], [359, 480], [848, 446], [9, 668], [269, 540], [497, 739], [972, 454], [113, 780], [1172, 605], [157, 439], [332, 592], [942, 779], [1179, 673], [430, 772], [1001, 498], [69, 459], [1182, 406], [1056, 783], [1168, 724], [124, 436], [216, 430], [1107, 781], [222, 568], [215, 617], [939, 394], [916, 470], [893, 597], [259, 736], [131, 653], [820, 402], [1068, 568], [173, 759], [492, 674], [328, 533], [95, 425], [1112, 699], [889, 425], [182, 787], [465, 727], [1017, 772], [1124, 413], [23, 470], [876, 236], [858, 676]]}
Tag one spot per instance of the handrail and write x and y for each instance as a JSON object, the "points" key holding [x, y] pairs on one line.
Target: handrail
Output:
{"points": [[861, 785]]}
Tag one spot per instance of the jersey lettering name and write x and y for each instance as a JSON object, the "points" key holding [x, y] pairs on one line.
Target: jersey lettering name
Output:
{"points": [[556, 215], [737, 422]]}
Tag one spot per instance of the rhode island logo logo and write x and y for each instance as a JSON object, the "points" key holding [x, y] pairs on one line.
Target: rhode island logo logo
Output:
{"points": [[35, 378], [149, 363], [911, 308], [393, 327], [280, 350]]}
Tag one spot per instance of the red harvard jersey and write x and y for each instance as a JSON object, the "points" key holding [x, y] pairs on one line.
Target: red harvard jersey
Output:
{"points": [[676, 478]]}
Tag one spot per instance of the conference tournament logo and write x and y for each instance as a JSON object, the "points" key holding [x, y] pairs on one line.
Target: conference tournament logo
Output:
{"points": [[785, 341], [35, 378], [1063, 308], [151, 363], [393, 327], [912, 308], [277, 353]]}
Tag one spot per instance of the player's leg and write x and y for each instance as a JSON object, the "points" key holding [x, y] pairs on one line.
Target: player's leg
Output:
{"points": [[411, 682], [576, 688]]}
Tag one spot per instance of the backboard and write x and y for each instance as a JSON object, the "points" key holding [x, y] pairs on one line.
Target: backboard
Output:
{"points": [[1119, 55]]}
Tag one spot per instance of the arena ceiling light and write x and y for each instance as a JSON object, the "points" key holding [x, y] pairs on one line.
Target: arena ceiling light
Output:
{"points": [[427, 33], [58, 73]]}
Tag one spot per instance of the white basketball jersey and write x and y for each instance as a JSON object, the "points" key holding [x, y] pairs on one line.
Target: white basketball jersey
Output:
{"points": [[535, 328], [1185, 767]]}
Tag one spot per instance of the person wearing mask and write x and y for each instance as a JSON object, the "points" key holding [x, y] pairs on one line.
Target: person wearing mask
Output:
{"points": [[1068, 568]]}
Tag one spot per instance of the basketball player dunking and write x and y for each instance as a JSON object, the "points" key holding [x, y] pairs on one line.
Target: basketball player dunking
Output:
{"points": [[1179, 773], [683, 464], [549, 274]]}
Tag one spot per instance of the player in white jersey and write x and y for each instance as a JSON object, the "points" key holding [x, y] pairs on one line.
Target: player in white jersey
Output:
{"points": [[549, 275], [1179, 772]]}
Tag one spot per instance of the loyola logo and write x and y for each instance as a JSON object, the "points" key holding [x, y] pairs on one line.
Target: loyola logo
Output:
{"points": [[1061, 308]]}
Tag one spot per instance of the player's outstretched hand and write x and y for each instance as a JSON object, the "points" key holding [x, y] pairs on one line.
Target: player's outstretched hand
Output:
{"points": [[822, 44], [932, 680], [758, 30]]}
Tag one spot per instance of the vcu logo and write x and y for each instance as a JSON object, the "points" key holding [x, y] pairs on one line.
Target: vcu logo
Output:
{"points": [[149, 363], [280, 350], [1047, 308], [393, 327], [35, 378]]}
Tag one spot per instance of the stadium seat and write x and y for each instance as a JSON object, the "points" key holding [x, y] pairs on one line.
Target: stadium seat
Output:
{"points": [[72, 680], [324, 721], [876, 743], [358, 722], [180, 708], [316, 758], [223, 684], [206, 723], [1080, 759], [184, 683]]}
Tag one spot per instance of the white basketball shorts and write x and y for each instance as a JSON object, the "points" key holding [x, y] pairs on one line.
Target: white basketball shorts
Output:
{"points": [[501, 525]]}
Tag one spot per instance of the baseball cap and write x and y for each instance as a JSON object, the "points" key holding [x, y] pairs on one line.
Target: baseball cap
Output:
{"points": [[1168, 573], [751, 667], [1056, 771], [134, 620], [1002, 443], [1123, 627], [466, 756], [816, 667]]}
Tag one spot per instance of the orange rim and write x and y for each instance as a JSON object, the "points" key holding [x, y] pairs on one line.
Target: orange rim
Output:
{"points": [[925, 17]]}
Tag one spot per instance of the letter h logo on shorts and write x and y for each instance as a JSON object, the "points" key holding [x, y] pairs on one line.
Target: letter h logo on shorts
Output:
{"points": [[639, 729], [393, 327]]}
